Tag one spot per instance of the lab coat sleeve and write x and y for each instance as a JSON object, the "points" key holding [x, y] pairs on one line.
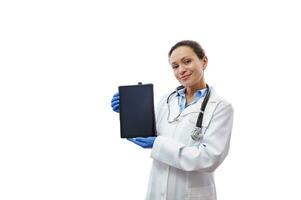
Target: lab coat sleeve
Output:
{"points": [[205, 157]]}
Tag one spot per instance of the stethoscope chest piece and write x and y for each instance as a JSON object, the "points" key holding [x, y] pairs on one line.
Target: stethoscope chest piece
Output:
{"points": [[196, 134]]}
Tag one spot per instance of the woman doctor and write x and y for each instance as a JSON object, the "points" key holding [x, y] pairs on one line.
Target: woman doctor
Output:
{"points": [[185, 157]]}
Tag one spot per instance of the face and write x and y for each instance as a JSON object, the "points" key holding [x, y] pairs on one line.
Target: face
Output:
{"points": [[187, 67]]}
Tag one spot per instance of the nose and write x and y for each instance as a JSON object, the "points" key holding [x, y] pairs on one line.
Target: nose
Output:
{"points": [[182, 69]]}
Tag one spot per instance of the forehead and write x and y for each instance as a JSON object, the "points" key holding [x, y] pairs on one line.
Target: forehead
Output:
{"points": [[181, 52]]}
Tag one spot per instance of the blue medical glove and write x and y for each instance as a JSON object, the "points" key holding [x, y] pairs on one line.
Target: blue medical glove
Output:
{"points": [[115, 102], [144, 142]]}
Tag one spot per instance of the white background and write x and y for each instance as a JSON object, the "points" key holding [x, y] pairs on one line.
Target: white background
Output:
{"points": [[61, 61]]}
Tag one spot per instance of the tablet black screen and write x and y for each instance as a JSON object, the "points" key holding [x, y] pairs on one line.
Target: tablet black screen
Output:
{"points": [[136, 107]]}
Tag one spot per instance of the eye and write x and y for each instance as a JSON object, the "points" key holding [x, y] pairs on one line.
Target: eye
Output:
{"points": [[175, 66], [187, 61]]}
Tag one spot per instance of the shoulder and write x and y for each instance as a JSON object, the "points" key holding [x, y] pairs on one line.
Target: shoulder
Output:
{"points": [[164, 98], [167, 95], [221, 101]]}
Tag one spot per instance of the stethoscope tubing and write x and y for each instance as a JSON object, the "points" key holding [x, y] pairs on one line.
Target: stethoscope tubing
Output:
{"points": [[196, 134]]}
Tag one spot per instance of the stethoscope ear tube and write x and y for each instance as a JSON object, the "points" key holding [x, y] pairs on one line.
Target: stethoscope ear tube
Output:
{"points": [[204, 104], [176, 91]]}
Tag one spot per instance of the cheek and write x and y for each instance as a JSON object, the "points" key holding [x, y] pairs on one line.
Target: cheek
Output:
{"points": [[197, 74], [175, 74], [199, 70]]}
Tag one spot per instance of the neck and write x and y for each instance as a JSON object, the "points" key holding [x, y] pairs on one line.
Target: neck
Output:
{"points": [[190, 90]]}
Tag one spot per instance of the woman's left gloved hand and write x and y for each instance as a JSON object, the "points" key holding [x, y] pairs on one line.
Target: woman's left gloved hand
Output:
{"points": [[115, 102], [144, 142]]}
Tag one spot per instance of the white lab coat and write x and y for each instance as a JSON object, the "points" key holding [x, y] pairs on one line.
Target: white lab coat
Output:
{"points": [[183, 169]]}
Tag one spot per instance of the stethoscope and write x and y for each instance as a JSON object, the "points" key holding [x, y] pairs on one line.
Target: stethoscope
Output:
{"points": [[197, 132]]}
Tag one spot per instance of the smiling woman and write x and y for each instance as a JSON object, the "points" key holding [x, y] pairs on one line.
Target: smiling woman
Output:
{"points": [[187, 149], [188, 61]]}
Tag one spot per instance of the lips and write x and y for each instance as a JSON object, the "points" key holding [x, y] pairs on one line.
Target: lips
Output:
{"points": [[184, 77]]}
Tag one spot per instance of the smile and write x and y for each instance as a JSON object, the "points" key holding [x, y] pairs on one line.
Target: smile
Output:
{"points": [[185, 77]]}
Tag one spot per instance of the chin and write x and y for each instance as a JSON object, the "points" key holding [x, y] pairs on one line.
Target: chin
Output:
{"points": [[186, 83]]}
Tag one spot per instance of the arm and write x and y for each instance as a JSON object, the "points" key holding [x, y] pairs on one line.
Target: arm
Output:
{"points": [[205, 157]]}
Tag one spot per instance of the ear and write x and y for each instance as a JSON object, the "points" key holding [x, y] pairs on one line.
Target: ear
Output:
{"points": [[205, 62]]}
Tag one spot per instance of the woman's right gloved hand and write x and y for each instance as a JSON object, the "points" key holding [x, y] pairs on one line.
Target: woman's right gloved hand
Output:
{"points": [[115, 102]]}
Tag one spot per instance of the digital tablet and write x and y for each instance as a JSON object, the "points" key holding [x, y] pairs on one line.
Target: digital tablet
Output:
{"points": [[136, 111]]}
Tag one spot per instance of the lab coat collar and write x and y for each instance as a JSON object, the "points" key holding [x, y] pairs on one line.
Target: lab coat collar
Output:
{"points": [[194, 108]]}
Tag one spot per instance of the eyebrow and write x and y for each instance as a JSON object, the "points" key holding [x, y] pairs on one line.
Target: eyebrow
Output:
{"points": [[180, 59]]}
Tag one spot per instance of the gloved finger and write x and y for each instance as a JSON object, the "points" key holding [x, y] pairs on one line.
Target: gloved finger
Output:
{"points": [[115, 107], [141, 139], [136, 142], [115, 98], [131, 139], [116, 94], [114, 103]]}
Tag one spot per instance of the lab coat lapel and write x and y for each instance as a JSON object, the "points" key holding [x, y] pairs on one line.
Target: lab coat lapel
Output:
{"points": [[174, 108], [210, 108], [211, 105]]}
